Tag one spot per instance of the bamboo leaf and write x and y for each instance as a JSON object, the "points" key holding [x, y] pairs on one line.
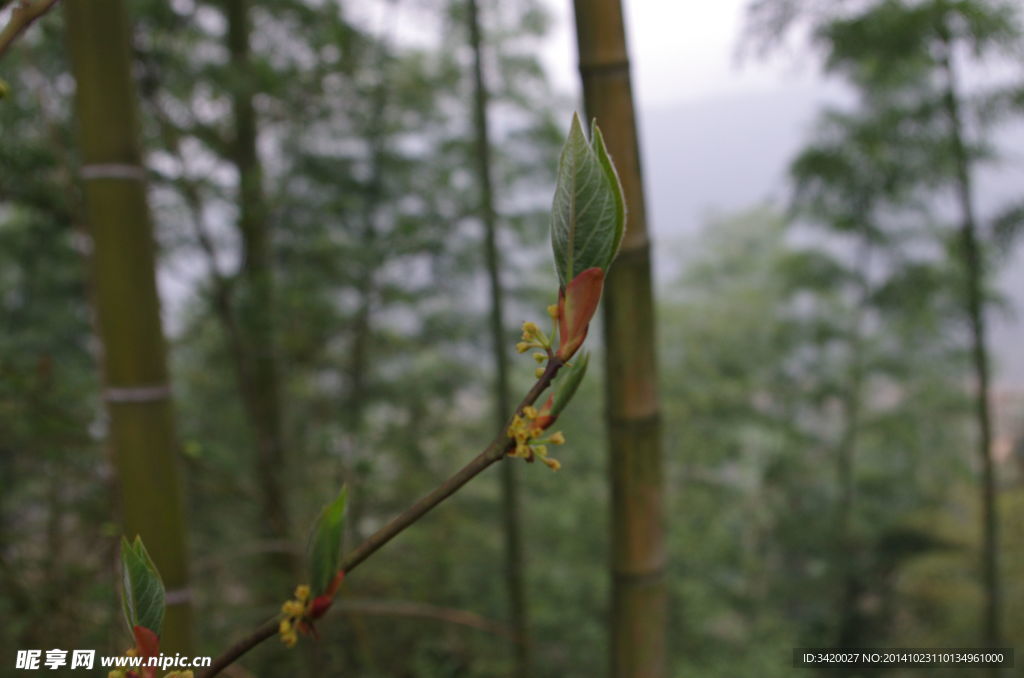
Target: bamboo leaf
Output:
{"points": [[142, 589], [325, 544], [587, 215]]}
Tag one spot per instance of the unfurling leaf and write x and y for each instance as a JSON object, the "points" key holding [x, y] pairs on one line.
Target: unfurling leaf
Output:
{"points": [[147, 645], [588, 216], [142, 589], [325, 545], [577, 303]]}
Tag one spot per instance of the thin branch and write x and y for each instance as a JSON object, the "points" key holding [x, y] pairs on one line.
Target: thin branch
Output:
{"points": [[22, 16], [497, 450]]}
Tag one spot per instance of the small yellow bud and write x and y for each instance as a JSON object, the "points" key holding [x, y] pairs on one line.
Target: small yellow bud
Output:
{"points": [[539, 372], [285, 626], [530, 330], [541, 450], [290, 639], [552, 464], [553, 310], [130, 652], [293, 608], [302, 592], [557, 439], [540, 357], [522, 347], [530, 412]]}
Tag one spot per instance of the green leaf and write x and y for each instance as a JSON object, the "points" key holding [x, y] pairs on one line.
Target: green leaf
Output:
{"points": [[325, 544], [568, 382], [142, 589], [613, 178], [588, 212]]}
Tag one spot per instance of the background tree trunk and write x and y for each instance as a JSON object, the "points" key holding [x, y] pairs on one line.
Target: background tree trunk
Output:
{"points": [[137, 391], [639, 587], [255, 311], [974, 281], [514, 564]]}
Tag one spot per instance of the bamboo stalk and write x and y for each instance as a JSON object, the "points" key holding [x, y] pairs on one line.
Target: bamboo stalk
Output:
{"points": [[639, 589], [974, 276], [137, 394]]}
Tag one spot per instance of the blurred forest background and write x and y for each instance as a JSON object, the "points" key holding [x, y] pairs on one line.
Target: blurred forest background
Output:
{"points": [[832, 475]]}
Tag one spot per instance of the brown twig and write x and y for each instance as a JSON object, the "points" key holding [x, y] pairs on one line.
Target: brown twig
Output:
{"points": [[497, 450], [22, 16]]}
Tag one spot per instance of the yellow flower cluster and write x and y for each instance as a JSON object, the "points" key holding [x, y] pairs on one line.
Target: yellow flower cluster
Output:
{"points": [[533, 337], [294, 611], [526, 432]]}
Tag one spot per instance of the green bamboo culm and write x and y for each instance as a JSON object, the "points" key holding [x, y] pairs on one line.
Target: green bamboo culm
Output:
{"points": [[637, 634], [137, 394]]}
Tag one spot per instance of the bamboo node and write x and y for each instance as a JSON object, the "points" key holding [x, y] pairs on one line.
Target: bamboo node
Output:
{"points": [[113, 170], [137, 394]]}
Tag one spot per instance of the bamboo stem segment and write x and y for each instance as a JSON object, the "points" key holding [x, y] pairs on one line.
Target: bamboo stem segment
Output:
{"points": [[639, 588], [137, 396]]}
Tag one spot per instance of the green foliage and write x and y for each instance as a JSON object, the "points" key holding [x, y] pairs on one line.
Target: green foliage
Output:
{"points": [[1007, 227], [375, 256], [872, 185], [325, 544], [769, 381], [375, 249], [588, 215], [142, 590], [894, 44], [57, 539]]}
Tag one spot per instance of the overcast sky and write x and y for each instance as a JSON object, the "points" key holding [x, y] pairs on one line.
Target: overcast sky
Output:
{"points": [[716, 133], [680, 52]]}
